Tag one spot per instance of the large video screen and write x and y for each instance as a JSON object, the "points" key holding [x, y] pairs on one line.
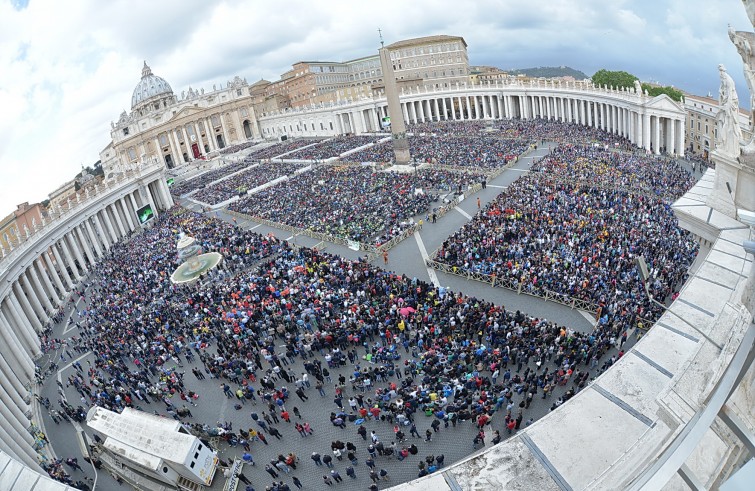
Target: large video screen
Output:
{"points": [[145, 214]]}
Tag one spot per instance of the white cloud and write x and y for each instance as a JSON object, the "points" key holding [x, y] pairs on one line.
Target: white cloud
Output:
{"points": [[69, 67]]}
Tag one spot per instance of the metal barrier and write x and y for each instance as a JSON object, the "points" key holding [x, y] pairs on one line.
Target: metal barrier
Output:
{"points": [[322, 237], [513, 285]]}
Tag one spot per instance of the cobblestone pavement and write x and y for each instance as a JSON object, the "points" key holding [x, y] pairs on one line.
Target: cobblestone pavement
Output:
{"points": [[213, 406]]}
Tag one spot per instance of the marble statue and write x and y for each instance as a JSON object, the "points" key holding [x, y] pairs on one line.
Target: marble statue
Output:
{"points": [[727, 120], [744, 41], [637, 87], [750, 9]]}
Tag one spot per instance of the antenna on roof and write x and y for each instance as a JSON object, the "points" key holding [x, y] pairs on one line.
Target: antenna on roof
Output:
{"points": [[380, 33]]}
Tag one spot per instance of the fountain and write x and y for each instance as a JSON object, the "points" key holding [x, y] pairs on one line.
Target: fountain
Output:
{"points": [[193, 262]]}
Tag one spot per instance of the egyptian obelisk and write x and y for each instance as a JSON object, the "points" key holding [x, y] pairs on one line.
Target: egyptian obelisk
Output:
{"points": [[398, 128]]}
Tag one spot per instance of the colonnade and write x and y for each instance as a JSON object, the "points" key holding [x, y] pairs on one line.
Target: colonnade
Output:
{"points": [[655, 124], [39, 282], [174, 137], [645, 128]]}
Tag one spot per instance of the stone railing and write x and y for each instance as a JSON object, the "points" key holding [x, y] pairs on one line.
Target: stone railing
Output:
{"points": [[512, 284]]}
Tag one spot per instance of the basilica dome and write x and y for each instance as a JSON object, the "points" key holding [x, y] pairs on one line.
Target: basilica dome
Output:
{"points": [[149, 87]]}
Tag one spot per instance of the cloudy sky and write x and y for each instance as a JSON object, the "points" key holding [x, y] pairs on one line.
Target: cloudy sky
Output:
{"points": [[68, 68]]}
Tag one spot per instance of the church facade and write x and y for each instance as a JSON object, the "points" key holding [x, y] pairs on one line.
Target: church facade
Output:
{"points": [[176, 129]]}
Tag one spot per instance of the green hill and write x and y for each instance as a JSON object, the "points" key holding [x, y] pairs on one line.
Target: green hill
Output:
{"points": [[549, 72]]}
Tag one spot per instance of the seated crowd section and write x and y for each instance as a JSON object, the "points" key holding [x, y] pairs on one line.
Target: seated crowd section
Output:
{"points": [[244, 181], [573, 227], [352, 202], [333, 147]]}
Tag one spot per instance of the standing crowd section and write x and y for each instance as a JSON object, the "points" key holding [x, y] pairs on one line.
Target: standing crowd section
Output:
{"points": [[283, 349]]}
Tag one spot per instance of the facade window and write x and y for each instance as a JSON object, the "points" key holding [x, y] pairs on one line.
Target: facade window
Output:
{"points": [[132, 153], [125, 131], [163, 140], [215, 121]]}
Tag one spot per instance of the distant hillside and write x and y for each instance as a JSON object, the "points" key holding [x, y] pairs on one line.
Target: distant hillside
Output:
{"points": [[549, 72]]}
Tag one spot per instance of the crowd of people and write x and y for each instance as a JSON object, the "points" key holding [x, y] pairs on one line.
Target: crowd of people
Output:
{"points": [[573, 227], [278, 332], [403, 361], [351, 201], [206, 178], [333, 147], [481, 152], [244, 181], [529, 130], [281, 148], [236, 148]]}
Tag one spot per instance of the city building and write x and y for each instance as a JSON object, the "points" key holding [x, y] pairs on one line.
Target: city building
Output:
{"points": [[438, 61], [480, 75], [60, 197], [178, 129], [701, 123], [20, 224]]}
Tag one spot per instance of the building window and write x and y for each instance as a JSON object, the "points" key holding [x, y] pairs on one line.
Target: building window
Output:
{"points": [[125, 131]]}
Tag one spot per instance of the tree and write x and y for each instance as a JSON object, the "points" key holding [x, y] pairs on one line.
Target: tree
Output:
{"points": [[668, 90], [613, 79]]}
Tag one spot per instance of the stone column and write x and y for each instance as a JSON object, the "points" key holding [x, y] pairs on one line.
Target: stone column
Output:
{"points": [[134, 205], [12, 410], [209, 132], [25, 309], [101, 231], [166, 191], [69, 258], [62, 267], [76, 250], [445, 108], [172, 135], [174, 154], [589, 113], [437, 110], [40, 276], [113, 237], [128, 213], [21, 332], [421, 107], [671, 137], [147, 198], [224, 130], [33, 296], [121, 215], [118, 224], [11, 377], [680, 137], [52, 274], [39, 290], [93, 238], [657, 135], [17, 355], [85, 247]]}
